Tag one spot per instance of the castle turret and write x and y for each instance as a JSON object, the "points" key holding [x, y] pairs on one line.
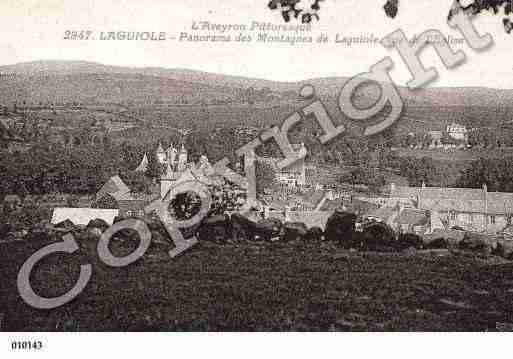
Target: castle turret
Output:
{"points": [[161, 154], [182, 159], [169, 173], [171, 155], [143, 166], [167, 180]]}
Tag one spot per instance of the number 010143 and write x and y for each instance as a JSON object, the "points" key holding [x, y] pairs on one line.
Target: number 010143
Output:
{"points": [[27, 345]]}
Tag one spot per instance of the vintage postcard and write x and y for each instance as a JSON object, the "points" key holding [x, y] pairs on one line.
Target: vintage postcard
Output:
{"points": [[255, 166]]}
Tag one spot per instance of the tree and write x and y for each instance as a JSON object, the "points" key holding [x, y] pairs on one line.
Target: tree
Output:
{"points": [[496, 173], [185, 205], [391, 8], [265, 176], [136, 181], [477, 6], [418, 171], [444, 219], [105, 202], [155, 169], [72, 201]]}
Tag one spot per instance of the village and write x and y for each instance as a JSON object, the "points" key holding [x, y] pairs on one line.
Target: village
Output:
{"points": [[296, 198]]}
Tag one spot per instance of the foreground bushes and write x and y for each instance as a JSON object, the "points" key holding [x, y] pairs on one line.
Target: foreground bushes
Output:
{"points": [[223, 229]]}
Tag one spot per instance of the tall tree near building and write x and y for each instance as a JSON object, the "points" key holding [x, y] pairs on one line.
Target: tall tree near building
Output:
{"points": [[155, 169], [265, 176]]}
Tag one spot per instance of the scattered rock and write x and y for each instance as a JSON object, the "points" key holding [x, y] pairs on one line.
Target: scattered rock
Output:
{"points": [[65, 226], [242, 228], [438, 243], [346, 324], [294, 231], [340, 227], [314, 234], [269, 228], [215, 228], [99, 224], [378, 237], [456, 305], [409, 240], [504, 327], [481, 292], [475, 243], [96, 232]]}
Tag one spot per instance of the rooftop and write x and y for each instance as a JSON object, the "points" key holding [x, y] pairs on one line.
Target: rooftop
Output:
{"points": [[442, 199]]}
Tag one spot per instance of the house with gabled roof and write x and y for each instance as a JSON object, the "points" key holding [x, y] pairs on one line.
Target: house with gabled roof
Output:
{"points": [[457, 131], [143, 166], [82, 216], [114, 185], [474, 209], [412, 220]]}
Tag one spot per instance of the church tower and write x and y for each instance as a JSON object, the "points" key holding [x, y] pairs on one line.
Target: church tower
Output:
{"points": [[161, 154], [171, 155], [143, 166], [167, 180]]}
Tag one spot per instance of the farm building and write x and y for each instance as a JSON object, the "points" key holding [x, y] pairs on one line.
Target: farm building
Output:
{"points": [[469, 208]]}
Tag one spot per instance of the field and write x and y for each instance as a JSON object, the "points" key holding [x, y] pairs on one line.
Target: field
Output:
{"points": [[262, 287], [455, 155]]}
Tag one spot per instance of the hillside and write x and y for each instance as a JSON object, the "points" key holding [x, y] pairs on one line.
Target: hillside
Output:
{"points": [[93, 83], [261, 287]]}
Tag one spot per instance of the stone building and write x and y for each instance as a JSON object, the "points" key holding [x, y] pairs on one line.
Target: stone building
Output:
{"points": [[469, 208], [457, 132]]}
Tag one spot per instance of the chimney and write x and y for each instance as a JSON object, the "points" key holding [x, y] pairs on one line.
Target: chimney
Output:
{"points": [[485, 200], [266, 212], [286, 214], [400, 206]]}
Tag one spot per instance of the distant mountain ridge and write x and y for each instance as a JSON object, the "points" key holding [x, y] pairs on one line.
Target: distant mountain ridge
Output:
{"points": [[89, 82], [441, 96]]}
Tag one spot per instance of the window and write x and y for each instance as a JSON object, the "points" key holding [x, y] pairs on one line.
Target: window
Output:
{"points": [[452, 215], [492, 219]]}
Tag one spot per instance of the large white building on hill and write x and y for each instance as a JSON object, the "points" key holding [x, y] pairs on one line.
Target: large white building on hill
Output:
{"points": [[457, 132]]}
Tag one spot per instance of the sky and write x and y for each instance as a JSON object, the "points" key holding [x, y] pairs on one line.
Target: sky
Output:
{"points": [[34, 30]]}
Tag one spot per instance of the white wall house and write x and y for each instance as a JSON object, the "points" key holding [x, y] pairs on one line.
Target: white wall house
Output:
{"points": [[473, 209], [457, 131]]}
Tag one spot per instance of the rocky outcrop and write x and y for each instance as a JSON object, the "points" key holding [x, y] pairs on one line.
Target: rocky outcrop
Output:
{"points": [[475, 243], [314, 234], [294, 231], [409, 240], [378, 237], [341, 228], [96, 227], [216, 228]]}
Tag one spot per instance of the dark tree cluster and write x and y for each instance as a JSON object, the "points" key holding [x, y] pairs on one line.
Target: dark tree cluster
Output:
{"points": [[477, 6], [496, 173], [289, 9], [487, 5], [391, 8]]}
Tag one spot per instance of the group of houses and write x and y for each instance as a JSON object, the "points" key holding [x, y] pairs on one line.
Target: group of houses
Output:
{"points": [[177, 169], [454, 136], [422, 210], [292, 176]]}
